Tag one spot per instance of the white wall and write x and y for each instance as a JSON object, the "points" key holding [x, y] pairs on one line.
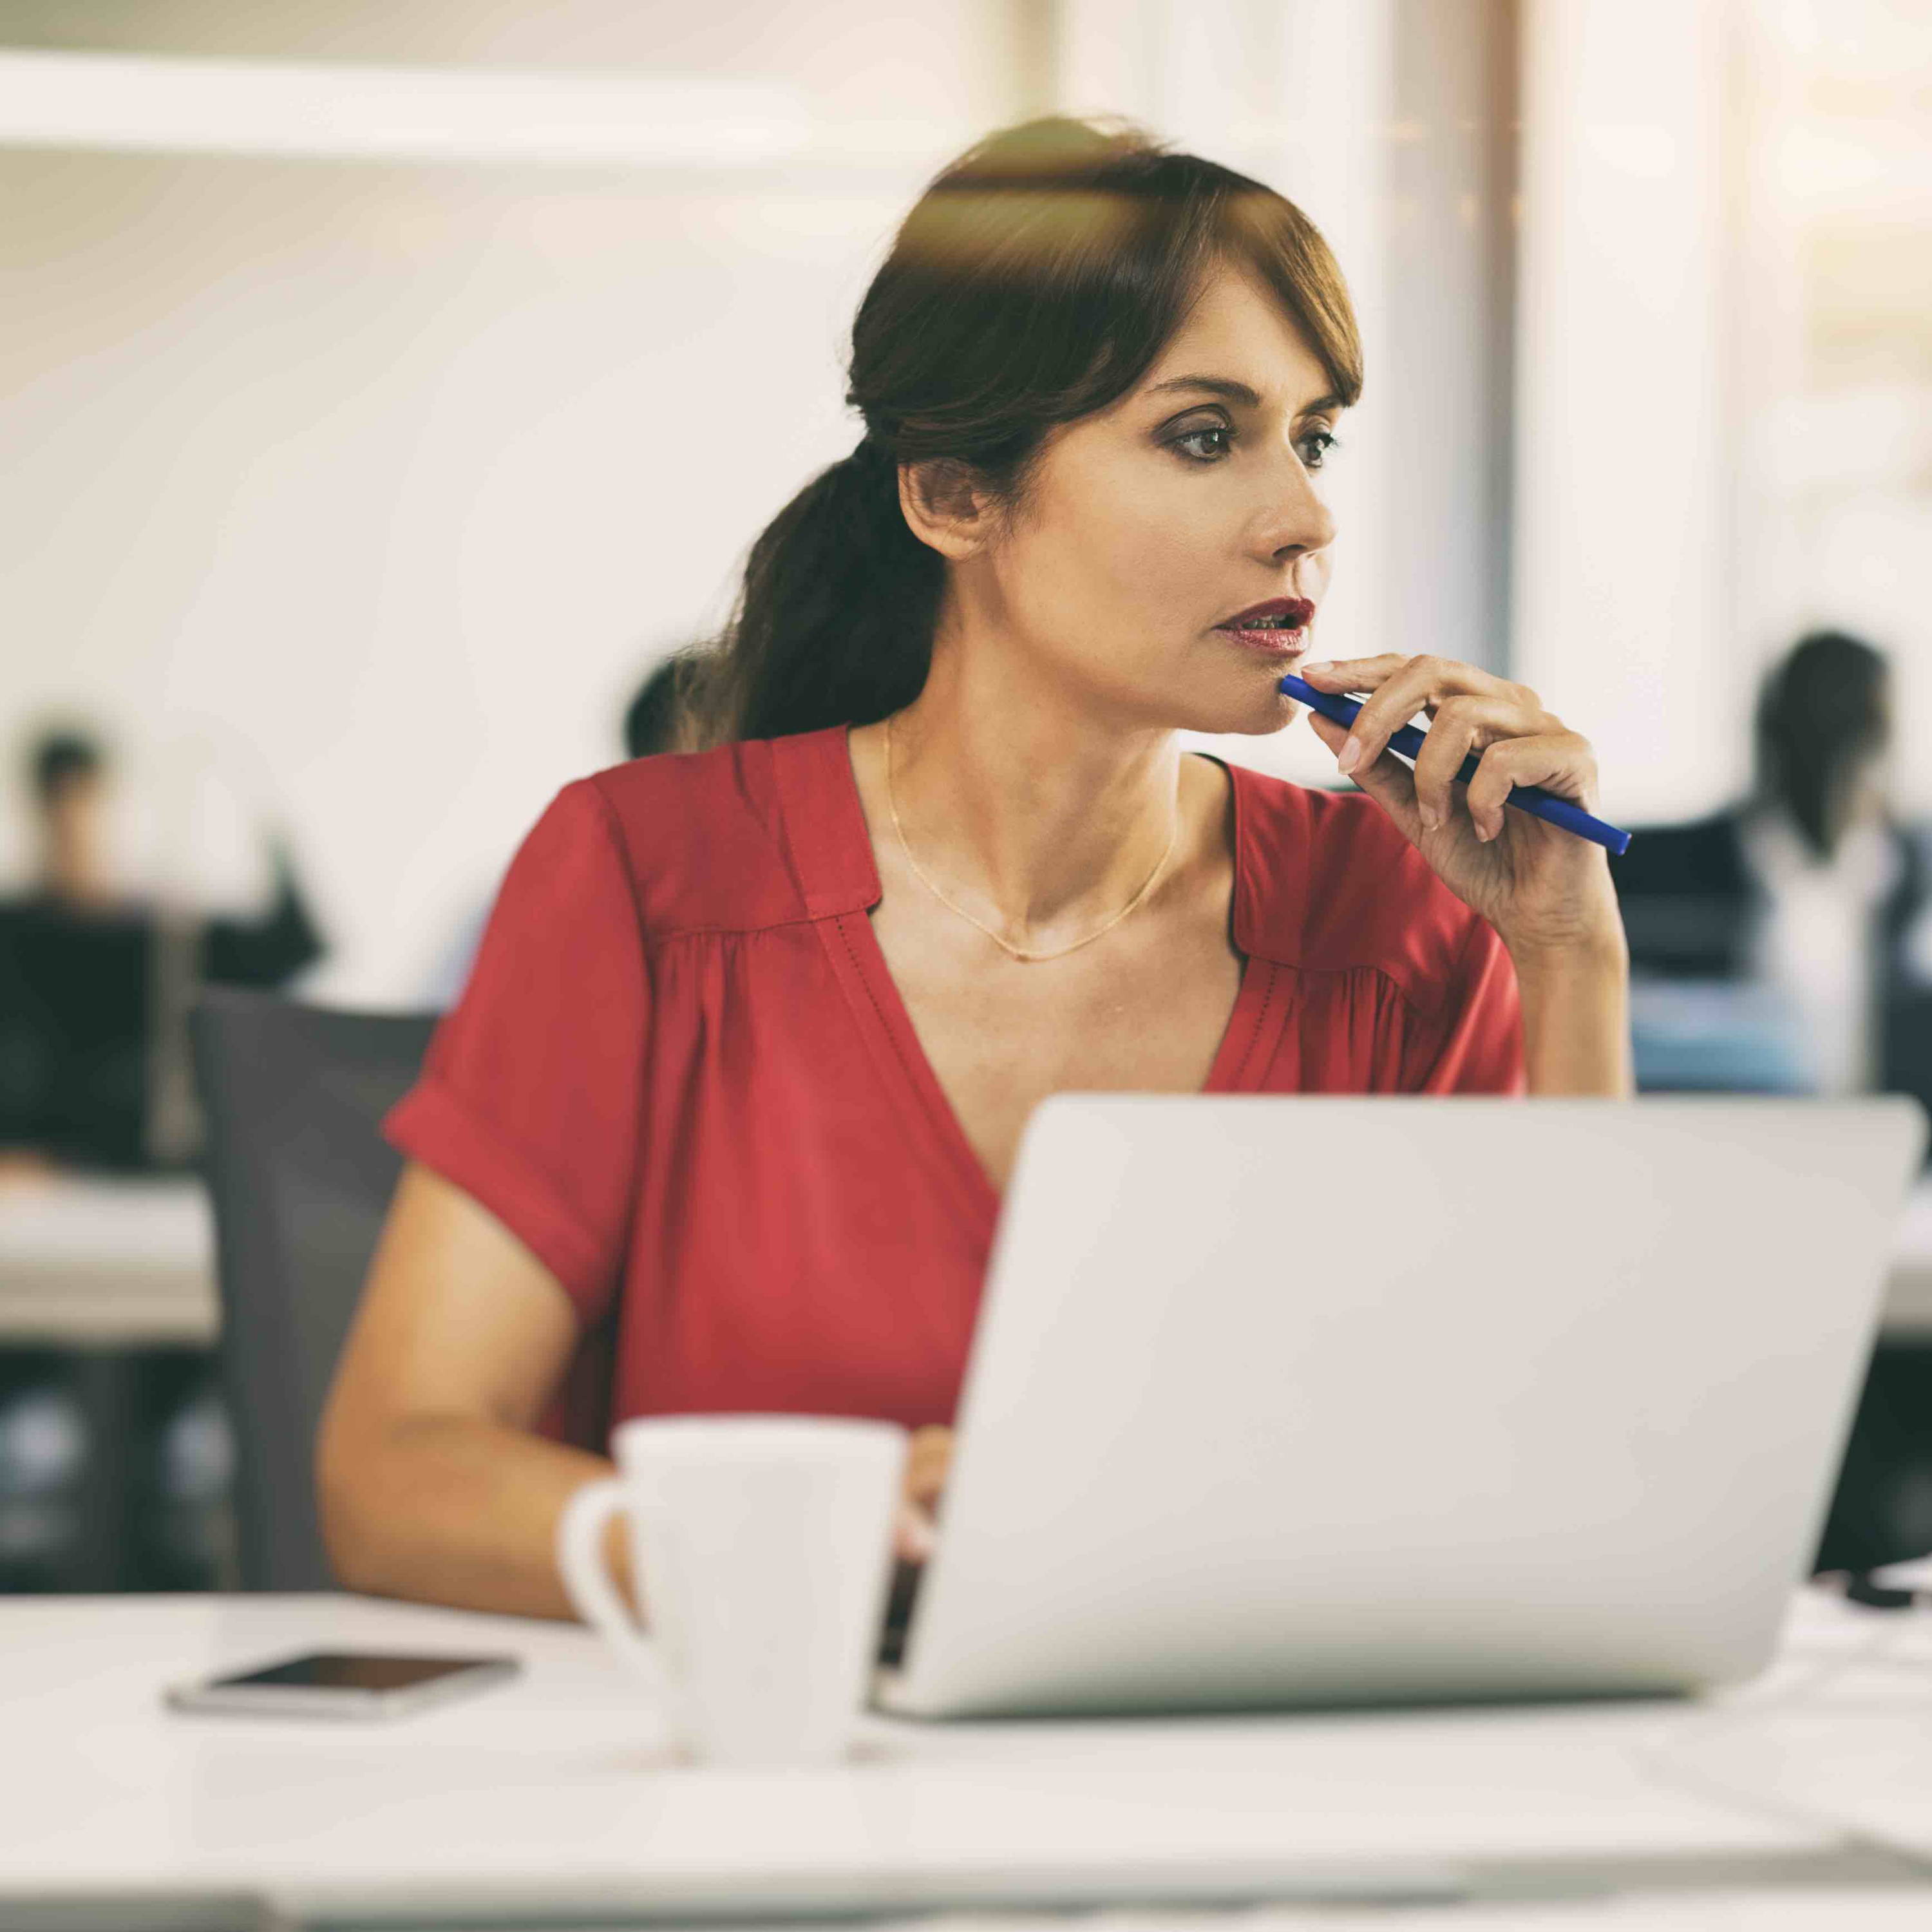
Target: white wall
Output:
{"points": [[1838, 452], [368, 491], [1724, 403], [1622, 618], [383, 485]]}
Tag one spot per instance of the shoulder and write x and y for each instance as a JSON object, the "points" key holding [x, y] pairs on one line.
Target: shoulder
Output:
{"points": [[1327, 882], [705, 838]]}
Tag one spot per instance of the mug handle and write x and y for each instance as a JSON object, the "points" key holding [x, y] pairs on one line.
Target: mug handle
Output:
{"points": [[587, 1581]]}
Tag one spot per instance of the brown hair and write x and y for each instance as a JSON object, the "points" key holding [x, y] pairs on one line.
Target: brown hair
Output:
{"points": [[1034, 283]]}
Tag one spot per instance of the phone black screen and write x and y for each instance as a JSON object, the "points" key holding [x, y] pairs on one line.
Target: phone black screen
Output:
{"points": [[336, 1670]]}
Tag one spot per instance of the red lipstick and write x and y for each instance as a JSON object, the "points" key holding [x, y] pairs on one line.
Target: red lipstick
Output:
{"points": [[1279, 626]]}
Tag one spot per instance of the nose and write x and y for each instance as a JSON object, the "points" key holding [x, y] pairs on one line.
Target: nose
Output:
{"points": [[1294, 522]]}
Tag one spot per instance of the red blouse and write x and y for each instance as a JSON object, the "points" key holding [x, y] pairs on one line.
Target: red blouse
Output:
{"points": [[682, 1076]]}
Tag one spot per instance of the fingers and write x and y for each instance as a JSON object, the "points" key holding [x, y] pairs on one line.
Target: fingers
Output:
{"points": [[1461, 725], [1521, 744], [1399, 687], [1562, 762], [1388, 781], [928, 1456], [1353, 673]]}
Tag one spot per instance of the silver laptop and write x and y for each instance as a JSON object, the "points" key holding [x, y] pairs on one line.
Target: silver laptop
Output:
{"points": [[1282, 1401]]}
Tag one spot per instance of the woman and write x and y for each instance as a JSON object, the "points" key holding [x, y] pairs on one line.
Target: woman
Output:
{"points": [[723, 1118]]}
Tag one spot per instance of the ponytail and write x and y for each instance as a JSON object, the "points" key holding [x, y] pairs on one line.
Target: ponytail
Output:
{"points": [[834, 619], [1033, 283]]}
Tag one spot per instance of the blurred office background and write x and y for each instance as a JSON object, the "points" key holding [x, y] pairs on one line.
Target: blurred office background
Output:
{"points": [[387, 388]]}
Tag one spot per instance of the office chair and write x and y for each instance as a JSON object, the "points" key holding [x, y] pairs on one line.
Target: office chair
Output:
{"points": [[301, 1180]]}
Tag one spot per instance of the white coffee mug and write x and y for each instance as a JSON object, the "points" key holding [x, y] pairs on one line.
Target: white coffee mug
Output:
{"points": [[762, 1549]]}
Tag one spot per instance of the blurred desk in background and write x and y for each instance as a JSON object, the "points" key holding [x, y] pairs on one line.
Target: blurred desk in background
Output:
{"points": [[85, 1260], [114, 1458], [132, 1262]]}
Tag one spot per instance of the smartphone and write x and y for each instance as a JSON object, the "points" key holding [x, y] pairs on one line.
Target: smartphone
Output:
{"points": [[341, 1683]]}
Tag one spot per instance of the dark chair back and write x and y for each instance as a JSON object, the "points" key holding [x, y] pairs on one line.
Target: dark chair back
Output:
{"points": [[301, 1180]]}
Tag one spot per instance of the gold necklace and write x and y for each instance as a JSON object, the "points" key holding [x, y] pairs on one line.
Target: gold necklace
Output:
{"points": [[1006, 945]]}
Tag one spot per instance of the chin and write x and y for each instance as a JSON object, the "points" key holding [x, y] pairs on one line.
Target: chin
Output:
{"points": [[1239, 715]]}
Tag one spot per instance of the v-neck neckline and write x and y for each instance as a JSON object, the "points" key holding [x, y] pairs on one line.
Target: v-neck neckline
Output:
{"points": [[831, 847]]}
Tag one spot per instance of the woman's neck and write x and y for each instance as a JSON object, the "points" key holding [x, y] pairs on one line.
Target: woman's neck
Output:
{"points": [[1041, 815]]}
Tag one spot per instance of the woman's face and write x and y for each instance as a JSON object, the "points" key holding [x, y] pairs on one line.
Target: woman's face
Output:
{"points": [[1151, 524]]}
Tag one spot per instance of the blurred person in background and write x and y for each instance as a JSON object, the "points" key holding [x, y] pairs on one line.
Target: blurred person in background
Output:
{"points": [[95, 982], [1780, 943], [657, 719], [723, 1118]]}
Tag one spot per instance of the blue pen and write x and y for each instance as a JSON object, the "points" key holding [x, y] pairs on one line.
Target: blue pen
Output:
{"points": [[1531, 799]]}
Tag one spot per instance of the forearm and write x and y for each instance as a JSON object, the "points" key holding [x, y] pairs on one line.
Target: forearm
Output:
{"points": [[1576, 1019], [453, 1509]]}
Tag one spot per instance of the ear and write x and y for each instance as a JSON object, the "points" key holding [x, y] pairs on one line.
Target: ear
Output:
{"points": [[945, 508]]}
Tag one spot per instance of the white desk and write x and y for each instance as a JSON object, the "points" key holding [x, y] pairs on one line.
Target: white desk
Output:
{"points": [[556, 1793], [89, 1261]]}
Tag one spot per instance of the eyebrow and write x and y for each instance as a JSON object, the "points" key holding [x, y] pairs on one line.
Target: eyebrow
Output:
{"points": [[1231, 391]]}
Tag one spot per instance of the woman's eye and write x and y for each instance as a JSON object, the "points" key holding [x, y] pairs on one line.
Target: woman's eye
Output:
{"points": [[1314, 447], [1213, 440]]}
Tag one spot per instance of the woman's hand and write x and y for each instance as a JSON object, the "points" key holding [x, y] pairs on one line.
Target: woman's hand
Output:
{"points": [[1547, 893], [928, 1459]]}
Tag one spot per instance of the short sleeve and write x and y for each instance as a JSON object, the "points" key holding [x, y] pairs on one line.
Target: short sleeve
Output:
{"points": [[530, 1098], [1473, 1043]]}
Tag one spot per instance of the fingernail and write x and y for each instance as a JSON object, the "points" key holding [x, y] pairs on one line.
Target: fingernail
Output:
{"points": [[1323, 665], [1350, 757], [1429, 821]]}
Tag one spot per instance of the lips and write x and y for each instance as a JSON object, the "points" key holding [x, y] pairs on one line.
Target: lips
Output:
{"points": [[1278, 628], [1277, 613]]}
